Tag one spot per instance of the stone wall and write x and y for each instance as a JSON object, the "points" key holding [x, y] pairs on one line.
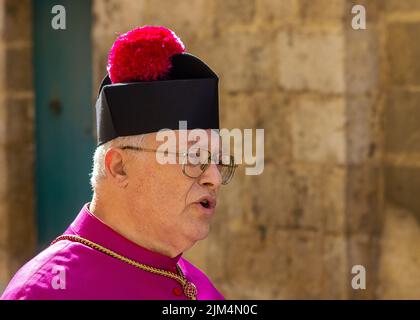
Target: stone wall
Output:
{"points": [[400, 255], [17, 153]]}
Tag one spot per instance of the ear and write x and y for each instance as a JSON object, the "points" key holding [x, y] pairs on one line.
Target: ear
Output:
{"points": [[114, 166]]}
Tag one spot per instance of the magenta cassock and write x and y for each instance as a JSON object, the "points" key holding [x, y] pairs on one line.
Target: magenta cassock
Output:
{"points": [[71, 270]]}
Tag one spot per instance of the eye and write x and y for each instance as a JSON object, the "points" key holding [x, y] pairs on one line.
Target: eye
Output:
{"points": [[193, 158], [198, 156]]}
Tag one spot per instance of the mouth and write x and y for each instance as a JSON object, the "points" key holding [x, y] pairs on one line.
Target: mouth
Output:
{"points": [[207, 203]]}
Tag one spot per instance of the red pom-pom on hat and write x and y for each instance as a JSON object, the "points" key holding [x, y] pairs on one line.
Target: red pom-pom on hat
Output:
{"points": [[143, 54]]}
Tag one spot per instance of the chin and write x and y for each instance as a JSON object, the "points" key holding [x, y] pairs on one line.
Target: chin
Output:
{"points": [[200, 232]]}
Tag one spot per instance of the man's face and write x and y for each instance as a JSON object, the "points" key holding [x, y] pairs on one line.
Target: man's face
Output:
{"points": [[172, 203]]}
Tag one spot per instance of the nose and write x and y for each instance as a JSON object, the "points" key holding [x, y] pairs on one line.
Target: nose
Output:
{"points": [[211, 177]]}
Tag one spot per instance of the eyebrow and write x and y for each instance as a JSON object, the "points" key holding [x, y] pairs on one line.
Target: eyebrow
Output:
{"points": [[192, 142], [189, 143]]}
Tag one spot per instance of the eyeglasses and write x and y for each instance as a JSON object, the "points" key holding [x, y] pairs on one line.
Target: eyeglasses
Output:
{"points": [[196, 161]]}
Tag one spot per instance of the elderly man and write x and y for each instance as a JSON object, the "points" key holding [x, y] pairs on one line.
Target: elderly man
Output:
{"points": [[145, 212]]}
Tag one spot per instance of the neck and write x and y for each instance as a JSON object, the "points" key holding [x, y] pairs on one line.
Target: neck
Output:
{"points": [[114, 216]]}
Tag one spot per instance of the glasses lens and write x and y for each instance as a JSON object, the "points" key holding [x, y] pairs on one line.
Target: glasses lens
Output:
{"points": [[227, 169], [197, 161]]}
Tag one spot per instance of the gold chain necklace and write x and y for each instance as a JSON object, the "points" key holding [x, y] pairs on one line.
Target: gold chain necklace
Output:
{"points": [[189, 288]]}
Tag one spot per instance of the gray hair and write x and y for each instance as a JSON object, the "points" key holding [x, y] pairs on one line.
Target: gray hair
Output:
{"points": [[98, 169]]}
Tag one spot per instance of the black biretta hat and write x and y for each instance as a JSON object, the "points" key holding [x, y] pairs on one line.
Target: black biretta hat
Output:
{"points": [[187, 89]]}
